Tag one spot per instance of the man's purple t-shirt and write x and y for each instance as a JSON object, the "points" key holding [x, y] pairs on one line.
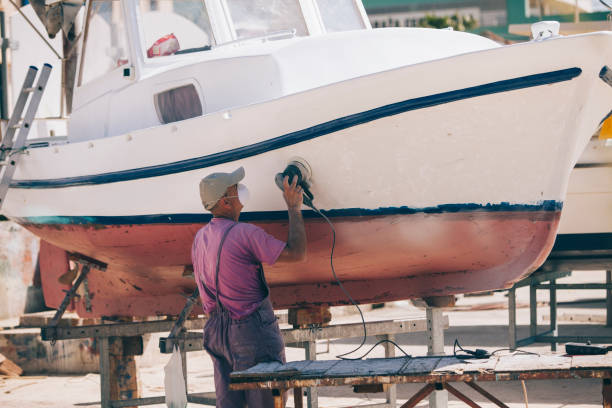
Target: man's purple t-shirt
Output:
{"points": [[245, 247]]}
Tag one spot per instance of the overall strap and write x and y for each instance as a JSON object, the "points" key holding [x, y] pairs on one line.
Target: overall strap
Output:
{"points": [[262, 280], [217, 293]]}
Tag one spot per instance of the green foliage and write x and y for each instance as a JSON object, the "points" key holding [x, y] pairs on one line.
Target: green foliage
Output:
{"points": [[459, 23]]}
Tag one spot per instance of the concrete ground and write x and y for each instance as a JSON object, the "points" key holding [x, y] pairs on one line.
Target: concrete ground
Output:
{"points": [[476, 322]]}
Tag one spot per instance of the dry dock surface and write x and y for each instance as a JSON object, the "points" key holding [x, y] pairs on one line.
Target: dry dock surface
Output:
{"points": [[475, 322]]}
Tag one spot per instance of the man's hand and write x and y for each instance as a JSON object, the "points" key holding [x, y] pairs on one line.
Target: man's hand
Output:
{"points": [[292, 193]]}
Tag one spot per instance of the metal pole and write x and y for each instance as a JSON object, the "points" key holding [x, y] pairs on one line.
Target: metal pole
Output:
{"points": [[533, 311], [104, 372], [576, 13], [435, 347], [3, 74], [184, 364], [553, 313], [391, 393], [512, 318], [312, 395], [35, 29]]}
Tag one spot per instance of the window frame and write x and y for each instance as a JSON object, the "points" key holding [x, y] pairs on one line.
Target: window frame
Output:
{"points": [[84, 46]]}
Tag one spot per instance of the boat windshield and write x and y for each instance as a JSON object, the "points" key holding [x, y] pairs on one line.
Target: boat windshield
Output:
{"points": [[340, 15], [256, 18], [171, 27]]}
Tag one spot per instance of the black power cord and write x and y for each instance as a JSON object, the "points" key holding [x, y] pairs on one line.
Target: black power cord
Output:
{"points": [[310, 204], [478, 353]]}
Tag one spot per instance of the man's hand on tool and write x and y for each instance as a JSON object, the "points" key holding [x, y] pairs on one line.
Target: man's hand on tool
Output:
{"points": [[292, 193]]}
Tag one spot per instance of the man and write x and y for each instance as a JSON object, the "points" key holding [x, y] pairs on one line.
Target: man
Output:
{"points": [[227, 256]]}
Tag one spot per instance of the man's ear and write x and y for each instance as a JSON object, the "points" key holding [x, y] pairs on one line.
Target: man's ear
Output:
{"points": [[224, 203]]}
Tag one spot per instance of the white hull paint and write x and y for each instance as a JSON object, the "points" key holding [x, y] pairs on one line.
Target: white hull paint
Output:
{"points": [[515, 146]]}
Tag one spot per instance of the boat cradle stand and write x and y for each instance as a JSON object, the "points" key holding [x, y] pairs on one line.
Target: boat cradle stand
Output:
{"points": [[118, 343], [571, 253], [434, 372]]}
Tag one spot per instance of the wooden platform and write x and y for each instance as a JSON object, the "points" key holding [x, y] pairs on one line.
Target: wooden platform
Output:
{"points": [[436, 372]]}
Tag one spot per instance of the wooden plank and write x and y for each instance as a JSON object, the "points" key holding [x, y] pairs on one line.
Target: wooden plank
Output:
{"points": [[420, 365], [123, 372], [370, 367], [600, 361], [8, 368], [530, 362]]}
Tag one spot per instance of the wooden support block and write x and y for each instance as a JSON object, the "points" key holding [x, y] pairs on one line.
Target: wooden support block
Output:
{"points": [[122, 370], [8, 368], [370, 388], [440, 301], [279, 400], [311, 315]]}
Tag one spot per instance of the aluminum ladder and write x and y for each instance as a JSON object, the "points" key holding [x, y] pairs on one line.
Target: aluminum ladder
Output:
{"points": [[12, 147]]}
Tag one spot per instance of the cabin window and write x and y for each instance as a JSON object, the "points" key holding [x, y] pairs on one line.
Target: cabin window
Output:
{"points": [[178, 104], [170, 27], [340, 15], [107, 44], [255, 18]]}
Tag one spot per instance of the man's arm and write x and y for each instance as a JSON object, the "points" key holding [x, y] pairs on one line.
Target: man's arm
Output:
{"points": [[295, 251]]}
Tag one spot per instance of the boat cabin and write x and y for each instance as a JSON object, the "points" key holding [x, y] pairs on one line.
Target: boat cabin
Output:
{"points": [[144, 63]]}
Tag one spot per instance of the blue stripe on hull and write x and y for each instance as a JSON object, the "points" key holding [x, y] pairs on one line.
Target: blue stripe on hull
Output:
{"points": [[549, 205], [306, 134]]}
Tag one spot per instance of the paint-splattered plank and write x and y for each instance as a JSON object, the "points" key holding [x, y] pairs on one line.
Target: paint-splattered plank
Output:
{"points": [[317, 368], [450, 365], [530, 362], [420, 365], [599, 361], [296, 365], [481, 365], [367, 368]]}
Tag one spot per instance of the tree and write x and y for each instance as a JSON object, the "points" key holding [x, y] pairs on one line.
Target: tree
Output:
{"points": [[457, 22]]}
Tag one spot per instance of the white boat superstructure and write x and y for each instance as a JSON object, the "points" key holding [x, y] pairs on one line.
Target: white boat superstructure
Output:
{"points": [[239, 66], [452, 154]]}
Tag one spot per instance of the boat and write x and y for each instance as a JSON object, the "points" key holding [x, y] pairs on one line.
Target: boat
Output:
{"points": [[442, 158]]}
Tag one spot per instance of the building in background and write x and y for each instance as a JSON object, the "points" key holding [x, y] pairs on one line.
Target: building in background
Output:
{"points": [[408, 13], [493, 18]]}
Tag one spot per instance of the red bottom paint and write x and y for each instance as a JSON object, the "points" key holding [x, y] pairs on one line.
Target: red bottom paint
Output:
{"points": [[378, 259]]}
